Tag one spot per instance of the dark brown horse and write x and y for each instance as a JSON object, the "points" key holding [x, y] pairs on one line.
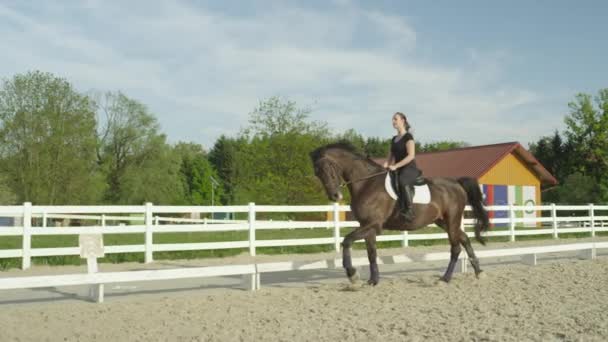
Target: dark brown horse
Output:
{"points": [[375, 210]]}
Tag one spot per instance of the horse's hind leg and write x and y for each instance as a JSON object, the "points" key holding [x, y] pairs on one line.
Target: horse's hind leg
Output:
{"points": [[458, 237], [454, 253], [466, 243]]}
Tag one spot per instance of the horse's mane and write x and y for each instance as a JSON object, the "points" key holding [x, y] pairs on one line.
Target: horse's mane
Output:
{"points": [[344, 146]]}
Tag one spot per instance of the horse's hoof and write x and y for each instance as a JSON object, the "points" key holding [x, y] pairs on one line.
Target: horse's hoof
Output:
{"points": [[372, 282], [440, 282], [481, 275], [354, 278], [444, 280]]}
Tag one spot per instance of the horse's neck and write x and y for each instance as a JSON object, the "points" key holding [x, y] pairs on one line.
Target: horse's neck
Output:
{"points": [[354, 169]]}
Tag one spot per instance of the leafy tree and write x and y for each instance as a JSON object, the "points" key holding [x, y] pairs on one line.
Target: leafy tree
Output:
{"points": [[277, 171], [222, 157], [138, 163], [277, 116], [377, 147], [7, 196], [200, 181], [576, 189], [272, 166], [554, 154], [441, 146], [351, 136], [587, 132], [47, 141], [579, 162], [152, 175]]}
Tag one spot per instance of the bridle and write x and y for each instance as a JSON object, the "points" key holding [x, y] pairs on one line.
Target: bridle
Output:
{"points": [[343, 184]]}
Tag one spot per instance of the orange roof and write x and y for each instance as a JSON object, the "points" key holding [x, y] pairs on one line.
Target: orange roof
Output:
{"points": [[475, 161]]}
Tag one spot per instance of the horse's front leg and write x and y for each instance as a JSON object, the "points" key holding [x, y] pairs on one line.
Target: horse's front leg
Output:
{"points": [[347, 263], [374, 274]]}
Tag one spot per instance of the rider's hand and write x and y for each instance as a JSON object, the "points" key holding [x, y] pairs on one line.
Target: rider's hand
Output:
{"points": [[392, 167], [385, 165]]}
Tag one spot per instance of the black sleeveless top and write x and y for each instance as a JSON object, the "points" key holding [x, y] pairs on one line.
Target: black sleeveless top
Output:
{"points": [[399, 151]]}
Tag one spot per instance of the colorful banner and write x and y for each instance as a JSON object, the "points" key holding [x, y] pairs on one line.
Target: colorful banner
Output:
{"points": [[496, 195], [510, 194]]}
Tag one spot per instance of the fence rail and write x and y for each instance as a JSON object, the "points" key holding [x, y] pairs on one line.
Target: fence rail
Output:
{"points": [[253, 272], [148, 220]]}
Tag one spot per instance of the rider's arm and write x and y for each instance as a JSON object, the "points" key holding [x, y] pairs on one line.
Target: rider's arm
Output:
{"points": [[389, 159]]}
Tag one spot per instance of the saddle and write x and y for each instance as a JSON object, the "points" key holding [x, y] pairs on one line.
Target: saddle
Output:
{"points": [[422, 194]]}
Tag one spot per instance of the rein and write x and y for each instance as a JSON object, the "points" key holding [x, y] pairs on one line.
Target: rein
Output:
{"points": [[343, 184]]}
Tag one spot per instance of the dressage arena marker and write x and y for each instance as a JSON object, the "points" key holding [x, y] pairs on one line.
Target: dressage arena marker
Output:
{"points": [[91, 248]]}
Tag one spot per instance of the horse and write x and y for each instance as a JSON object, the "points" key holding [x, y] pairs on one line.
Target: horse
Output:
{"points": [[375, 210]]}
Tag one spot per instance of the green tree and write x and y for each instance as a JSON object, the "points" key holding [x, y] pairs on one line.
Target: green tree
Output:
{"points": [[576, 189], [138, 163], [222, 157], [153, 175], [47, 141], [200, 181], [377, 147], [277, 116], [441, 146], [555, 155], [273, 166], [587, 132], [7, 196], [353, 137]]}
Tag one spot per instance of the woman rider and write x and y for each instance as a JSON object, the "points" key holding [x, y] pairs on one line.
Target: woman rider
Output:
{"points": [[401, 160]]}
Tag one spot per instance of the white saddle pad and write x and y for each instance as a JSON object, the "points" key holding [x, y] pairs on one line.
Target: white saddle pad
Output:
{"points": [[422, 194]]}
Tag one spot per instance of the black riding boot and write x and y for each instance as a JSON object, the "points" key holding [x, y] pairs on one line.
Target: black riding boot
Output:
{"points": [[406, 197]]}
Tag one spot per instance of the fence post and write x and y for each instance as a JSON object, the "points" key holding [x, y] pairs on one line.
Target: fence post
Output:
{"points": [[44, 218], [406, 241], [26, 260], [149, 242], [252, 229], [512, 221], [103, 220], [337, 226], [554, 220], [254, 279], [592, 219]]}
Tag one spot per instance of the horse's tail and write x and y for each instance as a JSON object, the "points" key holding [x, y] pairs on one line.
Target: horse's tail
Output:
{"points": [[475, 199]]}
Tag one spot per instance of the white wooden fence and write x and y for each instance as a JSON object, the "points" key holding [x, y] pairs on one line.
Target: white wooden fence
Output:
{"points": [[154, 223], [148, 220]]}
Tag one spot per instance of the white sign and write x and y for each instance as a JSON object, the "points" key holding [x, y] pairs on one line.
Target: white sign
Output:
{"points": [[91, 245]]}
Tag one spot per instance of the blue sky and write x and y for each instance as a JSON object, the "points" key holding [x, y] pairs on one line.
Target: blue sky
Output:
{"points": [[476, 71]]}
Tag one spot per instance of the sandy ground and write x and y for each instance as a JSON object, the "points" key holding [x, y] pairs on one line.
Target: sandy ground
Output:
{"points": [[561, 299]]}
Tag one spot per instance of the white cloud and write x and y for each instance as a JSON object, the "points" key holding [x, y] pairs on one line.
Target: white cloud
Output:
{"points": [[201, 71]]}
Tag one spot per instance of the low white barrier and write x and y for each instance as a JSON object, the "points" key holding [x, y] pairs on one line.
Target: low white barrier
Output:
{"points": [[253, 272]]}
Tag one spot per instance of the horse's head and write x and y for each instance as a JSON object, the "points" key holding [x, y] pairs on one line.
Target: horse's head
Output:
{"points": [[328, 172]]}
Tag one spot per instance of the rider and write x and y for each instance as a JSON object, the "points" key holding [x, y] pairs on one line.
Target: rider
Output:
{"points": [[401, 160]]}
